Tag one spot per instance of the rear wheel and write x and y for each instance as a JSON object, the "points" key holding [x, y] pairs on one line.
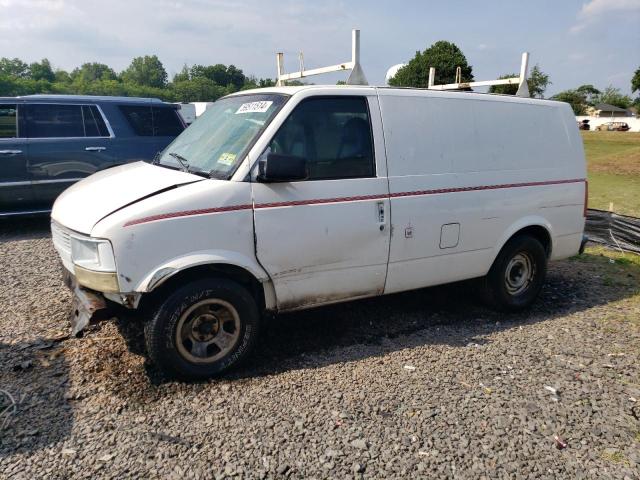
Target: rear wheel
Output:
{"points": [[202, 329], [517, 275]]}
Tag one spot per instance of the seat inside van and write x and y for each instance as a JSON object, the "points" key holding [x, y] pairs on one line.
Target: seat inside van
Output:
{"points": [[335, 143]]}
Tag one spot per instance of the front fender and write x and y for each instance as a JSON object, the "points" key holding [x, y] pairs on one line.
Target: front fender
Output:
{"points": [[168, 269]]}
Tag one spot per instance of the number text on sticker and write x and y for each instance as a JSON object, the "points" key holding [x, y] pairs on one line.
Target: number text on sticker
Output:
{"points": [[254, 107]]}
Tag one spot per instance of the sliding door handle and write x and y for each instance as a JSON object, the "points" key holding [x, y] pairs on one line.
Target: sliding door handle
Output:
{"points": [[95, 149], [10, 152]]}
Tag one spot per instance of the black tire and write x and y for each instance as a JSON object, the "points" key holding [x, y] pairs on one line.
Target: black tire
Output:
{"points": [[500, 288], [194, 300]]}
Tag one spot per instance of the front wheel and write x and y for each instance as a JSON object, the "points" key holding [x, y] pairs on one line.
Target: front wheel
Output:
{"points": [[202, 329], [517, 275]]}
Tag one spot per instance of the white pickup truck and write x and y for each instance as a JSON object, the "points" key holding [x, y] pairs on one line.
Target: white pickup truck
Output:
{"points": [[293, 197]]}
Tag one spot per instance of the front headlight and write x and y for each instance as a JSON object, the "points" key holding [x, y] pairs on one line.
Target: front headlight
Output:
{"points": [[94, 264], [93, 254]]}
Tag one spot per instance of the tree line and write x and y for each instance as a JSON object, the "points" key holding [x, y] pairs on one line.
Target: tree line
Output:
{"points": [[586, 96], [144, 77], [147, 77]]}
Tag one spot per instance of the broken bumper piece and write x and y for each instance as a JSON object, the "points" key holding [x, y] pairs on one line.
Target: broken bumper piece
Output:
{"points": [[85, 304]]}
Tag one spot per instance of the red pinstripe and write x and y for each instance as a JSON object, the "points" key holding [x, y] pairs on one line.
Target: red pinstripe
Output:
{"points": [[316, 201], [484, 187], [186, 213]]}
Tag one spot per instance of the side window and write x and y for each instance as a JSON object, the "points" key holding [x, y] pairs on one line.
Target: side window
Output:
{"points": [[153, 121], [166, 122], [8, 121], [54, 121], [140, 118], [94, 125], [332, 134]]}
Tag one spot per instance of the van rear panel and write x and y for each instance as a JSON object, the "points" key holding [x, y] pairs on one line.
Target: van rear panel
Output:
{"points": [[489, 165]]}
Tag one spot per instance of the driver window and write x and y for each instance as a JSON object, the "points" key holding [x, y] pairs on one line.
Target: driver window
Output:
{"points": [[332, 134]]}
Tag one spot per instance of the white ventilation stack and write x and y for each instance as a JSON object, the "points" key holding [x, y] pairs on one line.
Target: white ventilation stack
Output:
{"points": [[392, 72]]}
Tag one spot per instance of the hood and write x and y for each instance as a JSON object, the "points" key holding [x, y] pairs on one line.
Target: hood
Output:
{"points": [[87, 202]]}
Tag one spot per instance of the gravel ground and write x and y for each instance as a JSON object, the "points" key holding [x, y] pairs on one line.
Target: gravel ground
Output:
{"points": [[421, 384]]}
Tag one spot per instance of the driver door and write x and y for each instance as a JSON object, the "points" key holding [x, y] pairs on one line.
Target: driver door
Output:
{"points": [[326, 239]]}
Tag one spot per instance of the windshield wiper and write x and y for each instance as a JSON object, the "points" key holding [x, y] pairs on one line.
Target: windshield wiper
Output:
{"points": [[186, 168], [183, 161], [218, 174], [199, 172]]}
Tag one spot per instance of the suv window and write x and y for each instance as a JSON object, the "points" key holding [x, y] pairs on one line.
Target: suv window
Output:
{"points": [[332, 134], [153, 121], [8, 121], [166, 122], [140, 119], [65, 121], [54, 120], [94, 125]]}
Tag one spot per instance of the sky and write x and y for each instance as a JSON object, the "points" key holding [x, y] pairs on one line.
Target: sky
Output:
{"points": [[574, 41]]}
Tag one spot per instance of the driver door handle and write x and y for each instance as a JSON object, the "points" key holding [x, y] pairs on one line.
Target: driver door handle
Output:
{"points": [[95, 149], [10, 152]]}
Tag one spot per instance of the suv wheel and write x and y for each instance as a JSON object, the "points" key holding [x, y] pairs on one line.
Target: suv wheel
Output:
{"points": [[202, 329], [517, 275]]}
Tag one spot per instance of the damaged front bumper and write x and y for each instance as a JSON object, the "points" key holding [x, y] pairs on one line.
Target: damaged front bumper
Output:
{"points": [[86, 303]]}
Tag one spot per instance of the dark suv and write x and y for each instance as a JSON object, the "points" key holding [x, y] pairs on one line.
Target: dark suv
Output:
{"points": [[48, 142]]}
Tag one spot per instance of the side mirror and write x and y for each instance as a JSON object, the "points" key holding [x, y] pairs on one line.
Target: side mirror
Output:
{"points": [[282, 168]]}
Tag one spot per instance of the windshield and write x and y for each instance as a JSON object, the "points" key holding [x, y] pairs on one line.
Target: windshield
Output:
{"points": [[219, 139]]}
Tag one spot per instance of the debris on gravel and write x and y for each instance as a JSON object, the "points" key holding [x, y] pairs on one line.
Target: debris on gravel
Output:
{"points": [[421, 384]]}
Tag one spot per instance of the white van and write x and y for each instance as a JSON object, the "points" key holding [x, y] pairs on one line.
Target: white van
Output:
{"points": [[288, 198]]}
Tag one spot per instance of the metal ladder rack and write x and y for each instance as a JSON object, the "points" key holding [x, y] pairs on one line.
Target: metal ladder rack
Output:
{"points": [[357, 76], [521, 81]]}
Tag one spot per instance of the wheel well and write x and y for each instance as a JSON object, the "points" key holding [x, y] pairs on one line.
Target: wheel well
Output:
{"points": [[220, 270], [539, 233]]}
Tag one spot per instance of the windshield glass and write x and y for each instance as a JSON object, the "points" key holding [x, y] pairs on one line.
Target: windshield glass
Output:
{"points": [[219, 139]]}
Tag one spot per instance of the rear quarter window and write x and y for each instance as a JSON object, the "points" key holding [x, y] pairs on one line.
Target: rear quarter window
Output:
{"points": [[140, 119], [153, 121], [166, 122]]}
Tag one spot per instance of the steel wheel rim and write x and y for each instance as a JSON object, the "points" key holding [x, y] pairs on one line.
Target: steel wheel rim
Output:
{"points": [[519, 273], [207, 331]]}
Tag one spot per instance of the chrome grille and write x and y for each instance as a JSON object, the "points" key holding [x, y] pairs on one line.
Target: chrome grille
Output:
{"points": [[61, 238]]}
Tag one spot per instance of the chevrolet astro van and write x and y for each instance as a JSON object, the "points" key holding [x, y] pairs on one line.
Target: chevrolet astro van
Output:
{"points": [[294, 197]]}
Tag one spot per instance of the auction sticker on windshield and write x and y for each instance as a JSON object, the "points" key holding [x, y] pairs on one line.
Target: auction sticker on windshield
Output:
{"points": [[255, 107]]}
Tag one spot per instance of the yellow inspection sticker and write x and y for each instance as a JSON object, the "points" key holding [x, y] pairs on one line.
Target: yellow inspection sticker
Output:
{"points": [[227, 158]]}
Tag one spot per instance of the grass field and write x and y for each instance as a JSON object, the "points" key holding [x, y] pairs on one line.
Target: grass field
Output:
{"points": [[613, 160]]}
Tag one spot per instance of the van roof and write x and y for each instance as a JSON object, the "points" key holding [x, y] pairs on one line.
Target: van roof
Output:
{"points": [[415, 91], [83, 98], [299, 88]]}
